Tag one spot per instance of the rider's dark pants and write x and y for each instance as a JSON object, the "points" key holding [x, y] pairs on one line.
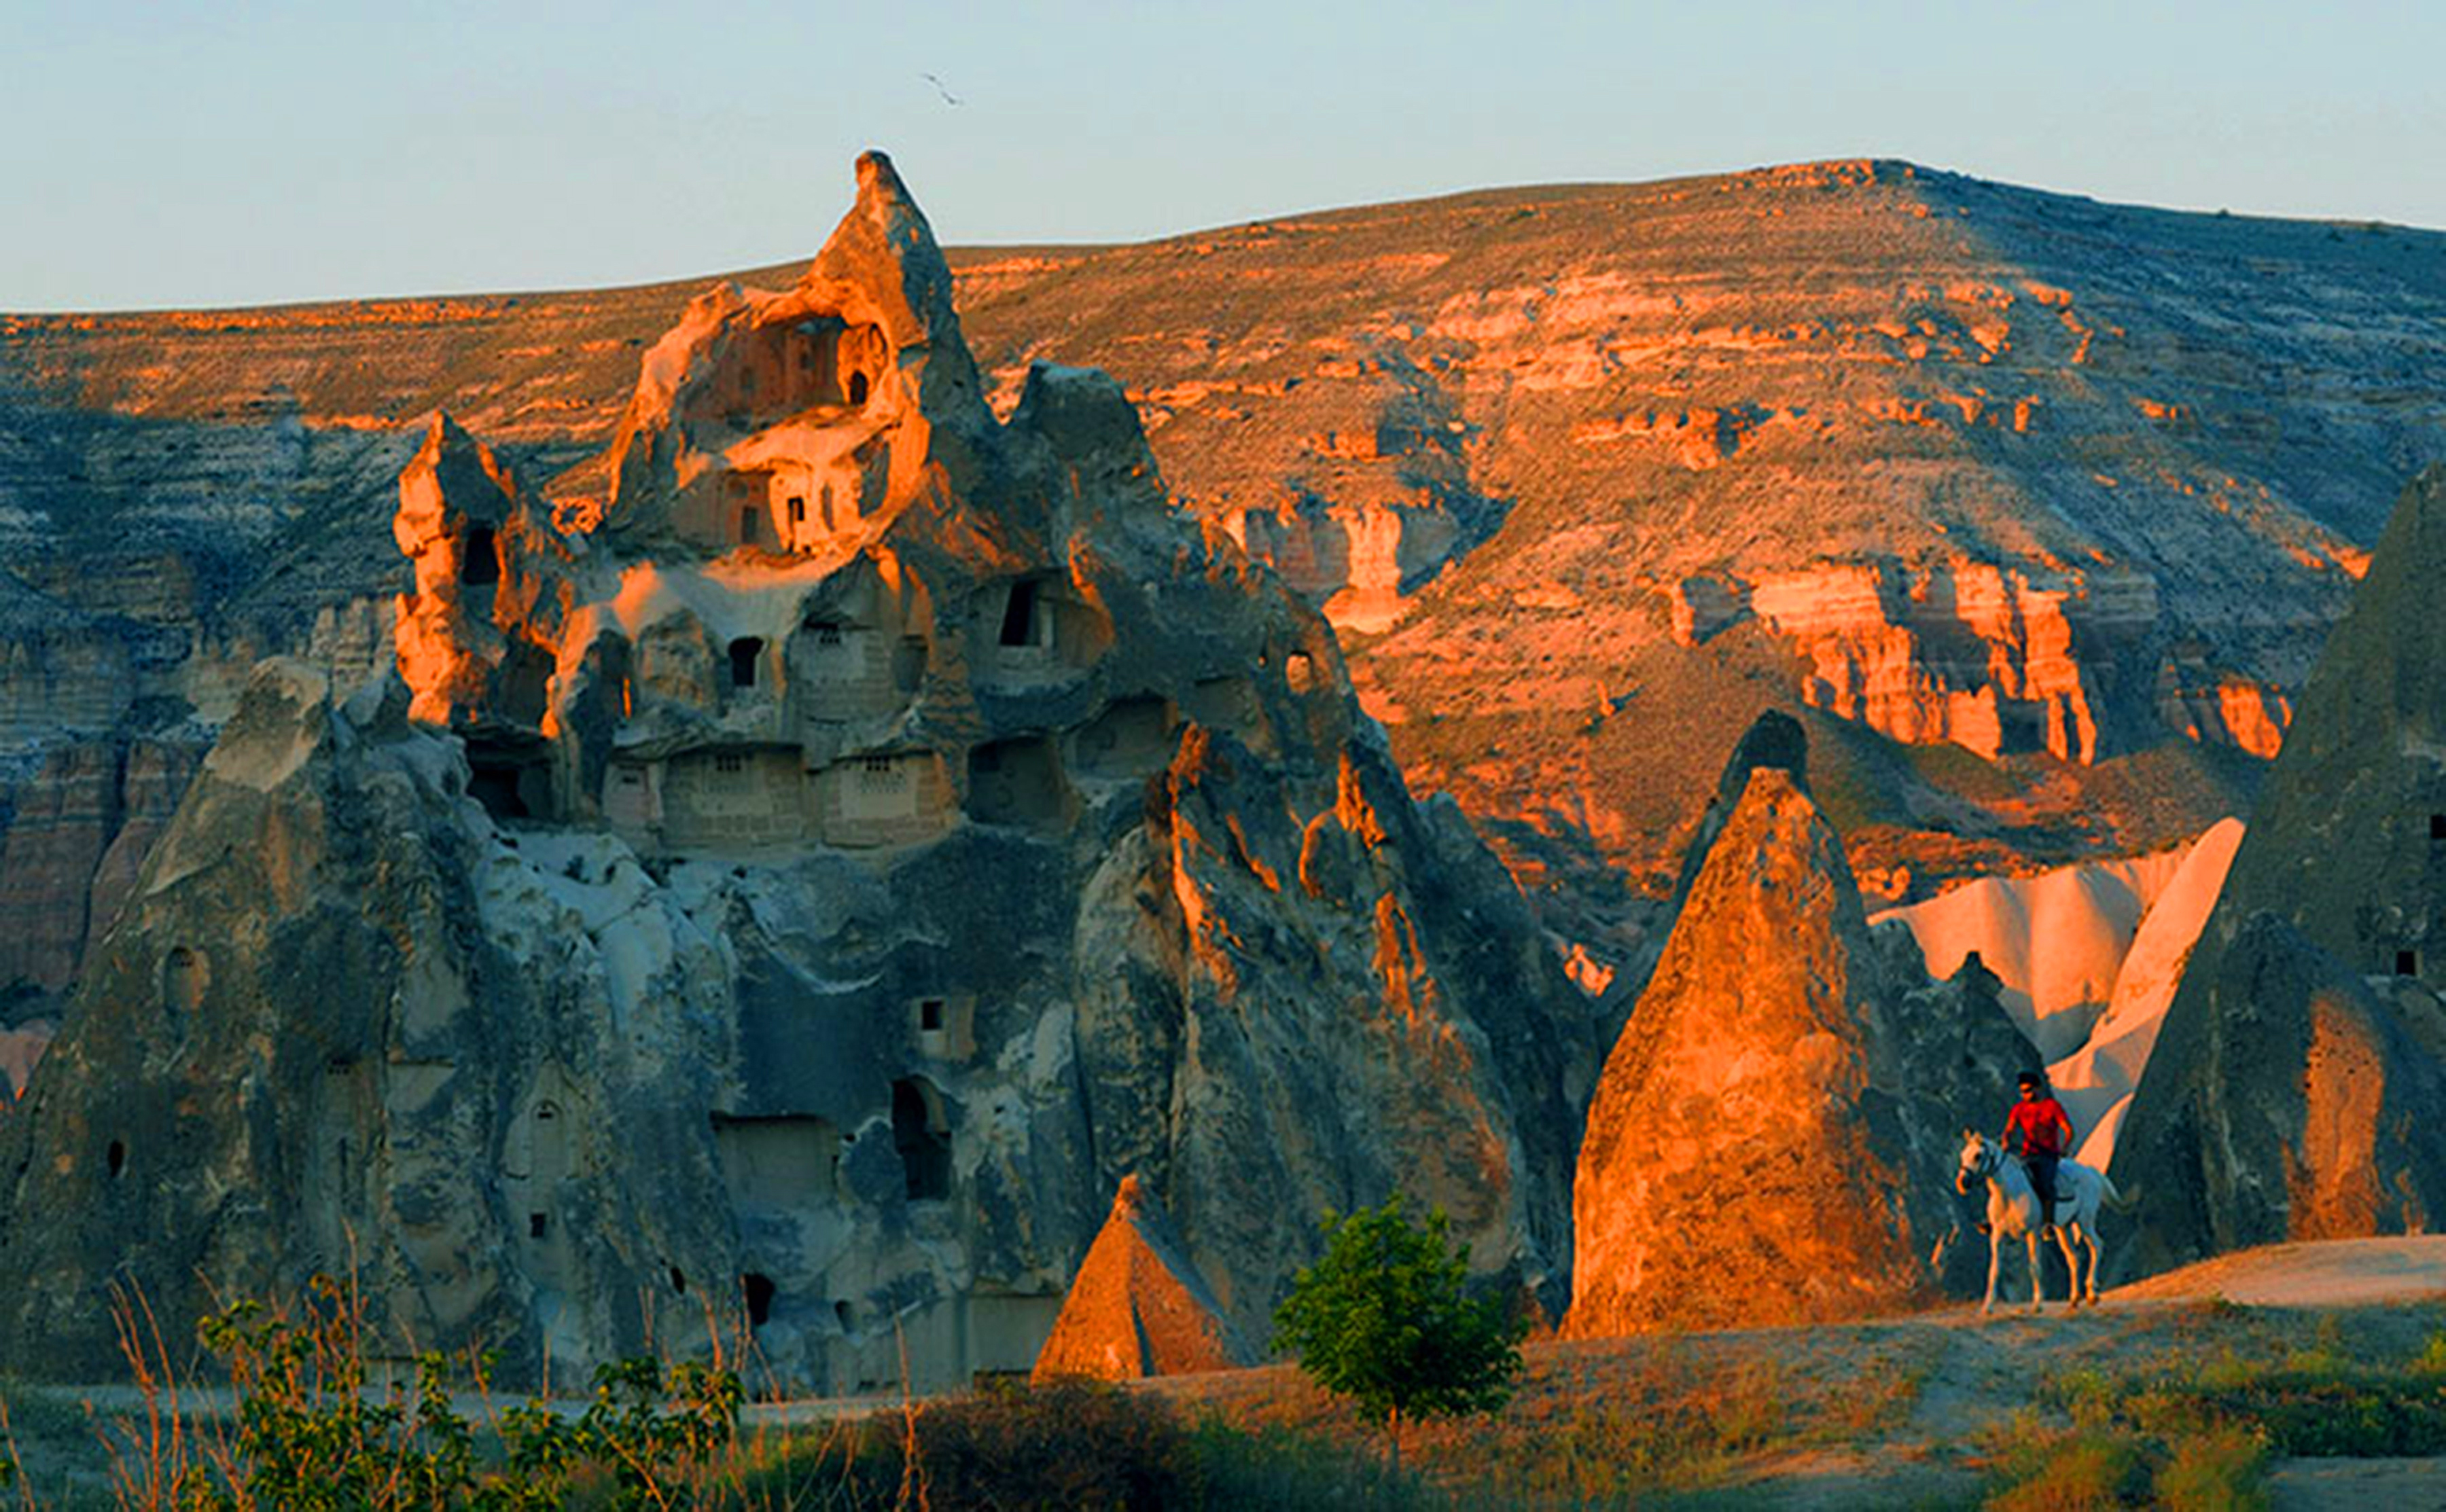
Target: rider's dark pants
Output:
{"points": [[2042, 1180]]}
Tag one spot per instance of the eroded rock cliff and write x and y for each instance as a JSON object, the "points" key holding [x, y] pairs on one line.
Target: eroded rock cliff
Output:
{"points": [[806, 876], [2037, 508], [2298, 1072]]}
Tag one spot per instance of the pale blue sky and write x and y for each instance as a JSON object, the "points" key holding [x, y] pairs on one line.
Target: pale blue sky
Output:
{"points": [[178, 154]]}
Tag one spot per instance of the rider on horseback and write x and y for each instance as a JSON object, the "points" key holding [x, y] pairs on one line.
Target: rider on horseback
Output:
{"points": [[2046, 1135]]}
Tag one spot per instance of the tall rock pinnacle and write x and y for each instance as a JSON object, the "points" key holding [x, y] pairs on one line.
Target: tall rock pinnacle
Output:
{"points": [[1740, 1164]]}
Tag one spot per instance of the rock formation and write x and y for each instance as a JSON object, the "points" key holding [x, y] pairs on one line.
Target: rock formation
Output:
{"points": [[2058, 941], [802, 878], [1767, 1144], [2036, 508], [2297, 1076], [1137, 1306], [1959, 469]]}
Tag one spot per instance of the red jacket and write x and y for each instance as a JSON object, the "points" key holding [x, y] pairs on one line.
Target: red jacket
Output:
{"points": [[2042, 1125]]}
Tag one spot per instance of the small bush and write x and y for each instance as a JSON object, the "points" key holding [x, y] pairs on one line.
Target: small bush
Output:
{"points": [[1042, 1448], [2039, 1469], [2222, 1470], [2432, 1359]]}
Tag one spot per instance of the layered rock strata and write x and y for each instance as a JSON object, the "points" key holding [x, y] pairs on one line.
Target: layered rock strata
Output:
{"points": [[2297, 1073], [2037, 508], [2072, 488], [804, 880]]}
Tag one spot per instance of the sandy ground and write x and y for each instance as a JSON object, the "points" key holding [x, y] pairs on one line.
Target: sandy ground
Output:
{"points": [[1981, 1367]]}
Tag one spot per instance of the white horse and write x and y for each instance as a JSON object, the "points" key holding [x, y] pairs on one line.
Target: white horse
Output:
{"points": [[2013, 1209]]}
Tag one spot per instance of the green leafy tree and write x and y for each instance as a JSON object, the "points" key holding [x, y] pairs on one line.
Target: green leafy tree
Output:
{"points": [[1384, 1318]]}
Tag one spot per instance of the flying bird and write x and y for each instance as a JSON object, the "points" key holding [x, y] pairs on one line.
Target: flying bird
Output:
{"points": [[941, 88]]}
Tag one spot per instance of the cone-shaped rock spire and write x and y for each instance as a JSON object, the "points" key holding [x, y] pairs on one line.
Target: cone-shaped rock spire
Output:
{"points": [[1138, 1306]]}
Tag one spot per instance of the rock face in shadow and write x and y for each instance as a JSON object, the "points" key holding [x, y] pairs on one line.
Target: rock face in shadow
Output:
{"points": [[798, 883], [1139, 1307], [1769, 1141], [2296, 1077]]}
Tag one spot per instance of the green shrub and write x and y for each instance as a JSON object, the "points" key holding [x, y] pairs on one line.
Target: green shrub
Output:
{"points": [[2035, 1469], [2221, 1471], [2432, 1359], [1384, 1318], [311, 1435]]}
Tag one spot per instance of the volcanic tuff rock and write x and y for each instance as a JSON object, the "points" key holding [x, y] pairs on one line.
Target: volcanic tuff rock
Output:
{"points": [[808, 875], [2298, 1077], [1958, 467], [1770, 1141], [1934, 460], [1138, 1308]]}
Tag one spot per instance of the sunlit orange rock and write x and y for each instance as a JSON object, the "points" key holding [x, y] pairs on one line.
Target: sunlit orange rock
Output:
{"points": [[1743, 1162], [791, 874], [1139, 1307]]}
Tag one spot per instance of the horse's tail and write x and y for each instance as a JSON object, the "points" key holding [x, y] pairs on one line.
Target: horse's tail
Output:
{"points": [[2114, 1197]]}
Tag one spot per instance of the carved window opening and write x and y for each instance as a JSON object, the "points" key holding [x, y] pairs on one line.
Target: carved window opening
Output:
{"points": [[929, 1016], [116, 1158], [510, 781], [1016, 781], [745, 653], [846, 1316], [828, 635], [2438, 826], [798, 510], [922, 1134], [827, 500], [759, 1290], [858, 388], [2407, 962], [1019, 615], [185, 974], [679, 1283], [537, 1225], [480, 559]]}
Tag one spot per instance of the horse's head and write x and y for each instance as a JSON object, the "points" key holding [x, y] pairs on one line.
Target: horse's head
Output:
{"points": [[1978, 1161]]}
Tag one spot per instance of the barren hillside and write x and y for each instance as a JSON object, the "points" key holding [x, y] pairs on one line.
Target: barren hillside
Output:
{"points": [[2037, 508]]}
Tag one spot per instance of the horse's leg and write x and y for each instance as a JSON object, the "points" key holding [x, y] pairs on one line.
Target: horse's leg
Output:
{"points": [[2096, 1258], [1995, 1257], [2072, 1265], [2037, 1293]]}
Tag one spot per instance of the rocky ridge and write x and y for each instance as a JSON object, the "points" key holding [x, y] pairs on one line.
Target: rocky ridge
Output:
{"points": [[802, 878], [2071, 488], [2037, 508]]}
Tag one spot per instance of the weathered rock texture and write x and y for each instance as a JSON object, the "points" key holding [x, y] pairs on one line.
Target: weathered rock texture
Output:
{"points": [[1960, 470], [1137, 1306], [807, 874], [1767, 1143], [2296, 1083]]}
